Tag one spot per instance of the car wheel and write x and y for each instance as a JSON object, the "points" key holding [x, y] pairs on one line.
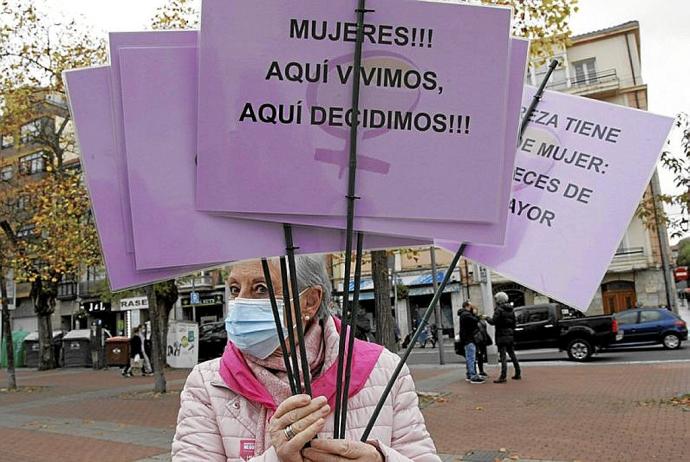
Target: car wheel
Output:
{"points": [[671, 342], [580, 349]]}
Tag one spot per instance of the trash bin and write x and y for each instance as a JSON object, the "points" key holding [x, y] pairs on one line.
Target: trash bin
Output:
{"points": [[117, 351], [18, 337], [76, 348], [32, 351]]}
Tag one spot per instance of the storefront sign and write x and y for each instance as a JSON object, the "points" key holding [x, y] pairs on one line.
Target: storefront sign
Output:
{"points": [[215, 299], [96, 307], [134, 303]]}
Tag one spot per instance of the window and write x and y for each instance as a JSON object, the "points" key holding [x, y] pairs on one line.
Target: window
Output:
{"points": [[538, 315], [26, 231], [521, 316], [558, 77], [585, 72], [650, 316], [32, 130], [627, 318], [33, 163], [6, 141], [6, 173]]}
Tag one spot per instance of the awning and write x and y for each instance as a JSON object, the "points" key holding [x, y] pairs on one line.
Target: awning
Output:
{"points": [[409, 280]]}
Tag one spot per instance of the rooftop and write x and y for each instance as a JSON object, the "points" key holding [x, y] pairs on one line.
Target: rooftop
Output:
{"points": [[626, 26]]}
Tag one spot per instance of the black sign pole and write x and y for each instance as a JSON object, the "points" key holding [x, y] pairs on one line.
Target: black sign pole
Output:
{"points": [[525, 120], [279, 325], [347, 320], [290, 326], [290, 250], [351, 338]]}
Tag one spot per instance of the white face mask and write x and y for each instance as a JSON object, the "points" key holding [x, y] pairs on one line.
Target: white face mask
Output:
{"points": [[251, 326]]}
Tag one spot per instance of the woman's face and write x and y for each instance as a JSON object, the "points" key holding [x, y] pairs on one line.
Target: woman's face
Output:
{"points": [[247, 280]]}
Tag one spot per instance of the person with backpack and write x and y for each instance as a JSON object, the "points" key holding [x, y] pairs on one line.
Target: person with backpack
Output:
{"points": [[469, 328], [504, 321]]}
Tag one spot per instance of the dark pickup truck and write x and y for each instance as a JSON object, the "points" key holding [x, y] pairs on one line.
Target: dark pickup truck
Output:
{"points": [[556, 326]]}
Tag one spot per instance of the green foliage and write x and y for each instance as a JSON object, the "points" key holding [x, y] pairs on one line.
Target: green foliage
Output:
{"points": [[683, 253], [676, 159], [545, 22]]}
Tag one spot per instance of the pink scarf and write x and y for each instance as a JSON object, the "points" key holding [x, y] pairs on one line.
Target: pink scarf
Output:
{"points": [[265, 381]]}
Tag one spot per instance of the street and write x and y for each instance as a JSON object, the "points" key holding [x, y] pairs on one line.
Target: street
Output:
{"points": [[429, 355], [596, 412]]}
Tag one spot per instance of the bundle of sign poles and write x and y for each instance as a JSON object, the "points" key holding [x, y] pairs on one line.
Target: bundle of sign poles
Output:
{"points": [[294, 351]]}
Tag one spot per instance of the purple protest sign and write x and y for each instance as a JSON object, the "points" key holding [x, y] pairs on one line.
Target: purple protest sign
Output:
{"points": [[580, 173], [159, 102], [431, 127], [117, 40], [147, 118], [90, 97], [478, 233]]}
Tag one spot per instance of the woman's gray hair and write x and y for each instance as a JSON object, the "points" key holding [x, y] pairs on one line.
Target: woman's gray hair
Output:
{"points": [[311, 272]]}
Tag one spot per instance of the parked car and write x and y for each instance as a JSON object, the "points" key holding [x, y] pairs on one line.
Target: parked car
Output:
{"points": [[651, 326], [212, 340], [551, 325]]}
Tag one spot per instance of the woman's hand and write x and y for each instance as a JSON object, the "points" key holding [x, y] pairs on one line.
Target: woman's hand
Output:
{"points": [[305, 417], [341, 451]]}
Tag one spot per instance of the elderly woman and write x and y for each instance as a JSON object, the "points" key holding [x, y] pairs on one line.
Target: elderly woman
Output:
{"points": [[238, 407]]}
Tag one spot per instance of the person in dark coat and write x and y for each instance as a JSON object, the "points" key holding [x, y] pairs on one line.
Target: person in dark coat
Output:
{"points": [[469, 323], [483, 341], [135, 348], [504, 321]]}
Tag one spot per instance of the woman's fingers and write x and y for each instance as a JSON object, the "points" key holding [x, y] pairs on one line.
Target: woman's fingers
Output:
{"points": [[298, 411], [306, 421], [291, 403], [305, 436]]}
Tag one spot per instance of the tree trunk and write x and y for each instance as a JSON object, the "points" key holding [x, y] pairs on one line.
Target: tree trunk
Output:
{"points": [[46, 358], [385, 333], [157, 347], [44, 305], [7, 332]]}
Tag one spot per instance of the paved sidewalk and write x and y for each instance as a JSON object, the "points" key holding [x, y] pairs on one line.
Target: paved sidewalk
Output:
{"points": [[587, 413]]}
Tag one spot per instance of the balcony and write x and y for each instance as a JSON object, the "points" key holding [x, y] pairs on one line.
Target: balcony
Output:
{"points": [[629, 259], [599, 84], [199, 282]]}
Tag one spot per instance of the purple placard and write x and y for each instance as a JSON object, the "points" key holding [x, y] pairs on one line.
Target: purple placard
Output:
{"points": [[117, 40], [401, 172], [90, 97], [565, 225], [478, 233], [145, 119], [159, 101]]}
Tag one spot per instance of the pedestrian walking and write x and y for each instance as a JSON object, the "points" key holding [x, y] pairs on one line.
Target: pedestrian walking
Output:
{"points": [[147, 369], [136, 348], [469, 329], [433, 337], [504, 321]]}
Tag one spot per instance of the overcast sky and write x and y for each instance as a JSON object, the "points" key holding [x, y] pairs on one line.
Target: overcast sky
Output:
{"points": [[664, 36]]}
